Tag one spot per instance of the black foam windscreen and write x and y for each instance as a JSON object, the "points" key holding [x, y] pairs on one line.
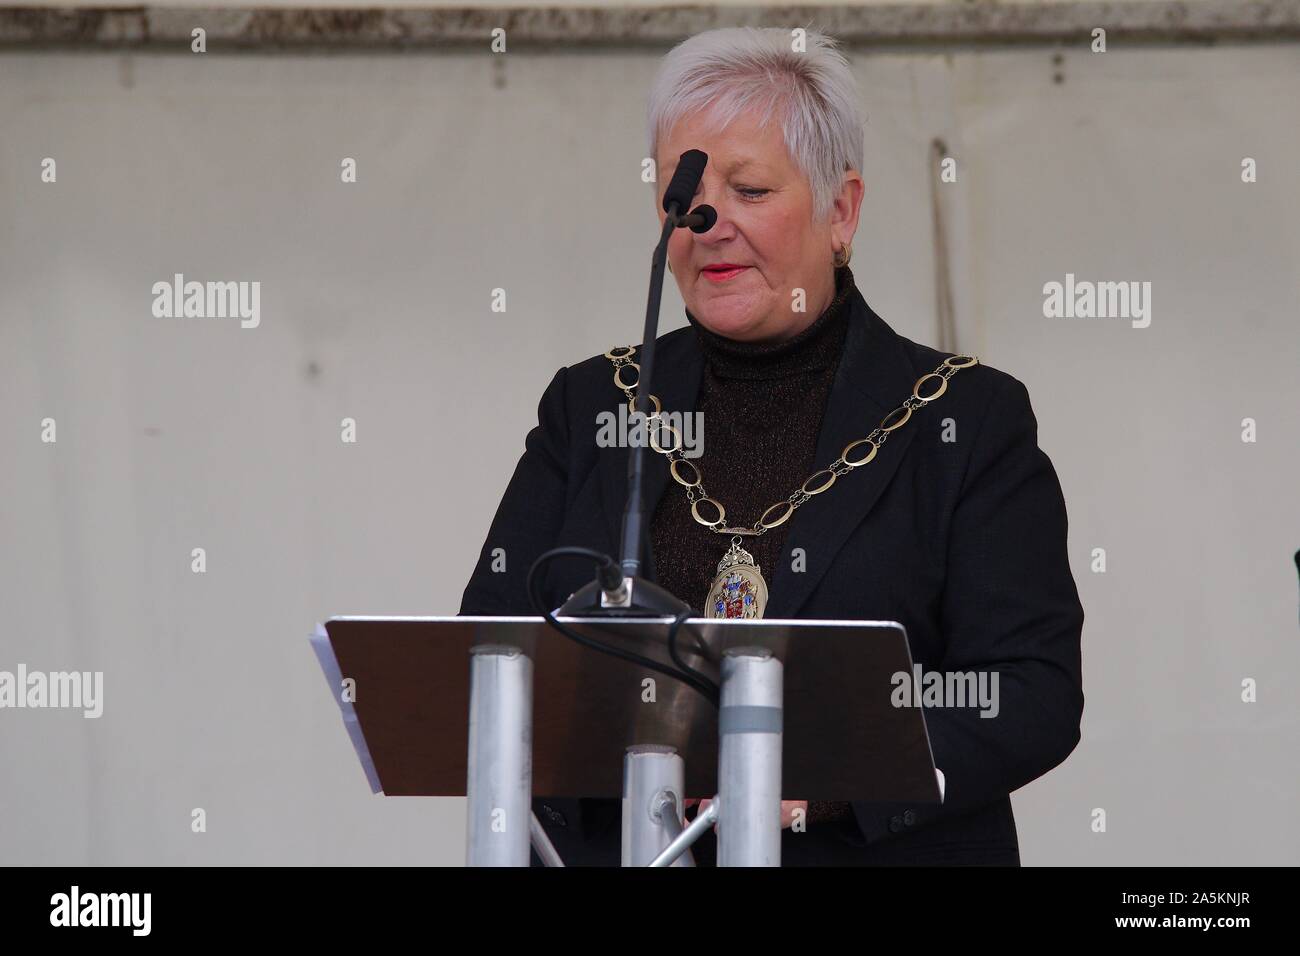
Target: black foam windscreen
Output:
{"points": [[709, 218], [686, 179]]}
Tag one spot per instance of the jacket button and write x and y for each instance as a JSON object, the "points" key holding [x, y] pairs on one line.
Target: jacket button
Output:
{"points": [[555, 816], [895, 824], [908, 818]]}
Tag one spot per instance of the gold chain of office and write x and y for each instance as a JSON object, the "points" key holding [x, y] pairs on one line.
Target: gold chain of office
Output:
{"points": [[855, 453]]}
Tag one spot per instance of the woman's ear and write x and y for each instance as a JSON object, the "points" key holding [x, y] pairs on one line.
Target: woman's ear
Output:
{"points": [[847, 205]]}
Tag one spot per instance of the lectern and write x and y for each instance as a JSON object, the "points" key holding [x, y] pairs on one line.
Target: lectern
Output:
{"points": [[499, 709]]}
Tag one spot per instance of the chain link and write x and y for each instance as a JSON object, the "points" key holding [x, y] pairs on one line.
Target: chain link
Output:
{"points": [[849, 460]]}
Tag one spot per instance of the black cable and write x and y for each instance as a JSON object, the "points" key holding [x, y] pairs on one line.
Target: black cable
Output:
{"points": [[682, 672], [705, 652]]}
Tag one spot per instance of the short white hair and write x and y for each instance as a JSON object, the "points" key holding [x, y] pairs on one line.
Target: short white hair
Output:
{"points": [[724, 72]]}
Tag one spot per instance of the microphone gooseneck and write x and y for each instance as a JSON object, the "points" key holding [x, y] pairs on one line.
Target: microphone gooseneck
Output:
{"points": [[618, 589]]}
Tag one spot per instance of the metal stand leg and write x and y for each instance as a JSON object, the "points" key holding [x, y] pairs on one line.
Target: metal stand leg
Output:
{"points": [[542, 843], [749, 766], [499, 784], [653, 780]]}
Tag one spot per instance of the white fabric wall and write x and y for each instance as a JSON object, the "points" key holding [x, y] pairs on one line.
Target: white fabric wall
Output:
{"points": [[523, 173]]}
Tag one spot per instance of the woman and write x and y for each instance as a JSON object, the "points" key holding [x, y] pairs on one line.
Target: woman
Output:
{"points": [[955, 526]]}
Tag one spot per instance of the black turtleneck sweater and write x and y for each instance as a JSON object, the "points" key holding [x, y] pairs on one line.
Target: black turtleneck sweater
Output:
{"points": [[762, 406]]}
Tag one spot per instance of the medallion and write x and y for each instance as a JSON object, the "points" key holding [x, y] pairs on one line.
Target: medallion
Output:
{"points": [[739, 589]]}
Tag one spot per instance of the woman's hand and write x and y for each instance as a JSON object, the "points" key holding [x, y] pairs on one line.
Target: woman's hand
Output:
{"points": [[788, 808]]}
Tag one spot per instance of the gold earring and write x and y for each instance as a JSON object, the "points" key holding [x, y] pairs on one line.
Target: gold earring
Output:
{"points": [[670, 267], [843, 255]]}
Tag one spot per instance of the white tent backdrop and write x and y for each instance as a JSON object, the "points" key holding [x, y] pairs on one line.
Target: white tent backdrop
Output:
{"points": [[176, 434]]}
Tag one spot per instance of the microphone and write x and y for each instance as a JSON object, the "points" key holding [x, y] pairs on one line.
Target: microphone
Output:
{"points": [[699, 220], [628, 595]]}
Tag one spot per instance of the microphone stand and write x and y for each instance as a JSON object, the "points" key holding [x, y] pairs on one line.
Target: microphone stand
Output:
{"points": [[634, 596]]}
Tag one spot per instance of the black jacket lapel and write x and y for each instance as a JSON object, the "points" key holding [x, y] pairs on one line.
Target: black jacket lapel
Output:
{"points": [[873, 378]]}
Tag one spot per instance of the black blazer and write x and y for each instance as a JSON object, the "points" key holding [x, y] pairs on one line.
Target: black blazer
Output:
{"points": [[963, 542]]}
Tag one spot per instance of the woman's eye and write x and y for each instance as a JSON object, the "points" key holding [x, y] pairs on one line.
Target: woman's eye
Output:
{"points": [[752, 193]]}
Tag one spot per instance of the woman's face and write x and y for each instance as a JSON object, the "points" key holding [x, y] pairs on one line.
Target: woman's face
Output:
{"points": [[764, 225]]}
